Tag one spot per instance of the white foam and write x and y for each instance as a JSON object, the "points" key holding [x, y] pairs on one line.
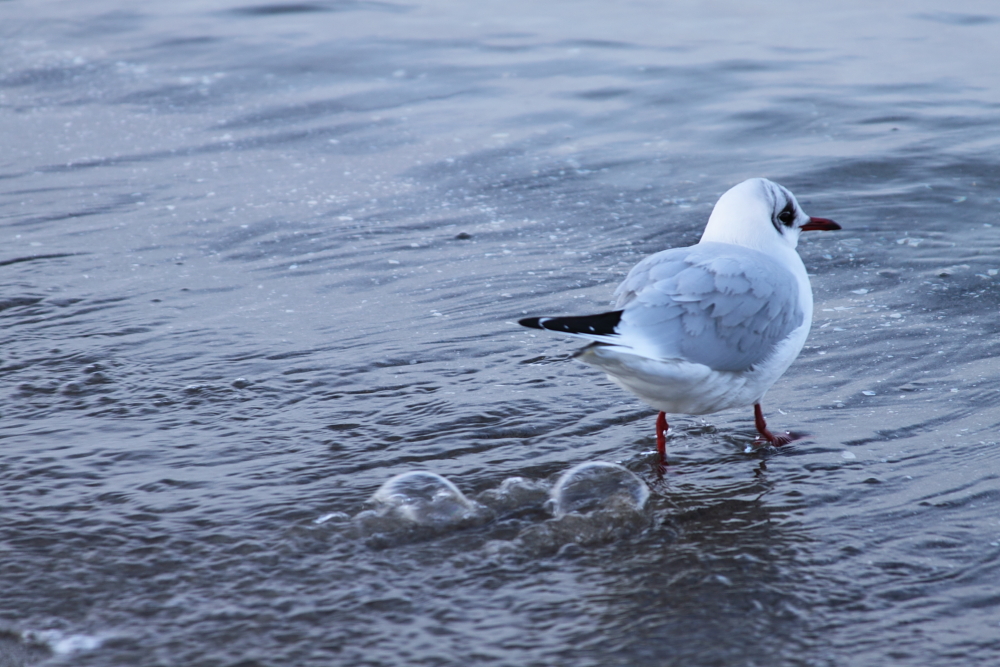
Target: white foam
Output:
{"points": [[60, 643], [515, 494]]}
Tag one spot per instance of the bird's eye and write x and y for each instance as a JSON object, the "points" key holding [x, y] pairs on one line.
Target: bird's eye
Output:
{"points": [[787, 216]]}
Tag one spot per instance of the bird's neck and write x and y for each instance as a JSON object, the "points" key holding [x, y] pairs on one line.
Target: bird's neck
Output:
{"points": [[764, 242]]}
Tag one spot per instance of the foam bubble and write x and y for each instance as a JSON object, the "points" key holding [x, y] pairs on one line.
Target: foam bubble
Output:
{"points": [[597, 485], [415, 506], [423, 498]]}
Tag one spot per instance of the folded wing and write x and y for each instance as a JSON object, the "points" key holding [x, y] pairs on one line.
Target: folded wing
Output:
{"points": [[720, 305]]}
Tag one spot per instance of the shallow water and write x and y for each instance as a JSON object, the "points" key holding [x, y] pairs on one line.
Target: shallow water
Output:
{"points": [[260, 258]]}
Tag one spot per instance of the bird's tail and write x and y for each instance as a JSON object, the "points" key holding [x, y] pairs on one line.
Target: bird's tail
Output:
{"points": [[601, 327]]}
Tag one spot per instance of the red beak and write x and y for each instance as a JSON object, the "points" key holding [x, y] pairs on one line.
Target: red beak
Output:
{"points": [[820, 224]]}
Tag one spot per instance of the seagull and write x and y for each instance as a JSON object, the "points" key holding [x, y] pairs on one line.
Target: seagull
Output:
{"points": [[712, 326]]}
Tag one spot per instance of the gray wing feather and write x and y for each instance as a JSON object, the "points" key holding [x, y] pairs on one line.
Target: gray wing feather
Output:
{"points": [[663, 264], [716, 304]]}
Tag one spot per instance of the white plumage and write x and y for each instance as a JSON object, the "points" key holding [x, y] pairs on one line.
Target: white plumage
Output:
{"points": [[710, 327]]}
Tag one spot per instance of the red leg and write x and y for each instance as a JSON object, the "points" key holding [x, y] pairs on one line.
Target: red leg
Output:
{"points": [[661, 438], [765, 435]]}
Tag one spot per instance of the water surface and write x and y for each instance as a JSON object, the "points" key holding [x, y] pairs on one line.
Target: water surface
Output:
{"points": [[259, 258]]}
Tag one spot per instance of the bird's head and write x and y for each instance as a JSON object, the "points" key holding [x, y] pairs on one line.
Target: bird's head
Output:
{"points": [[759, 214]]}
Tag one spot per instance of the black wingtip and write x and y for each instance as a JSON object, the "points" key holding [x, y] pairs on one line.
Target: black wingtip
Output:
{"points": [[602, 324]]}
